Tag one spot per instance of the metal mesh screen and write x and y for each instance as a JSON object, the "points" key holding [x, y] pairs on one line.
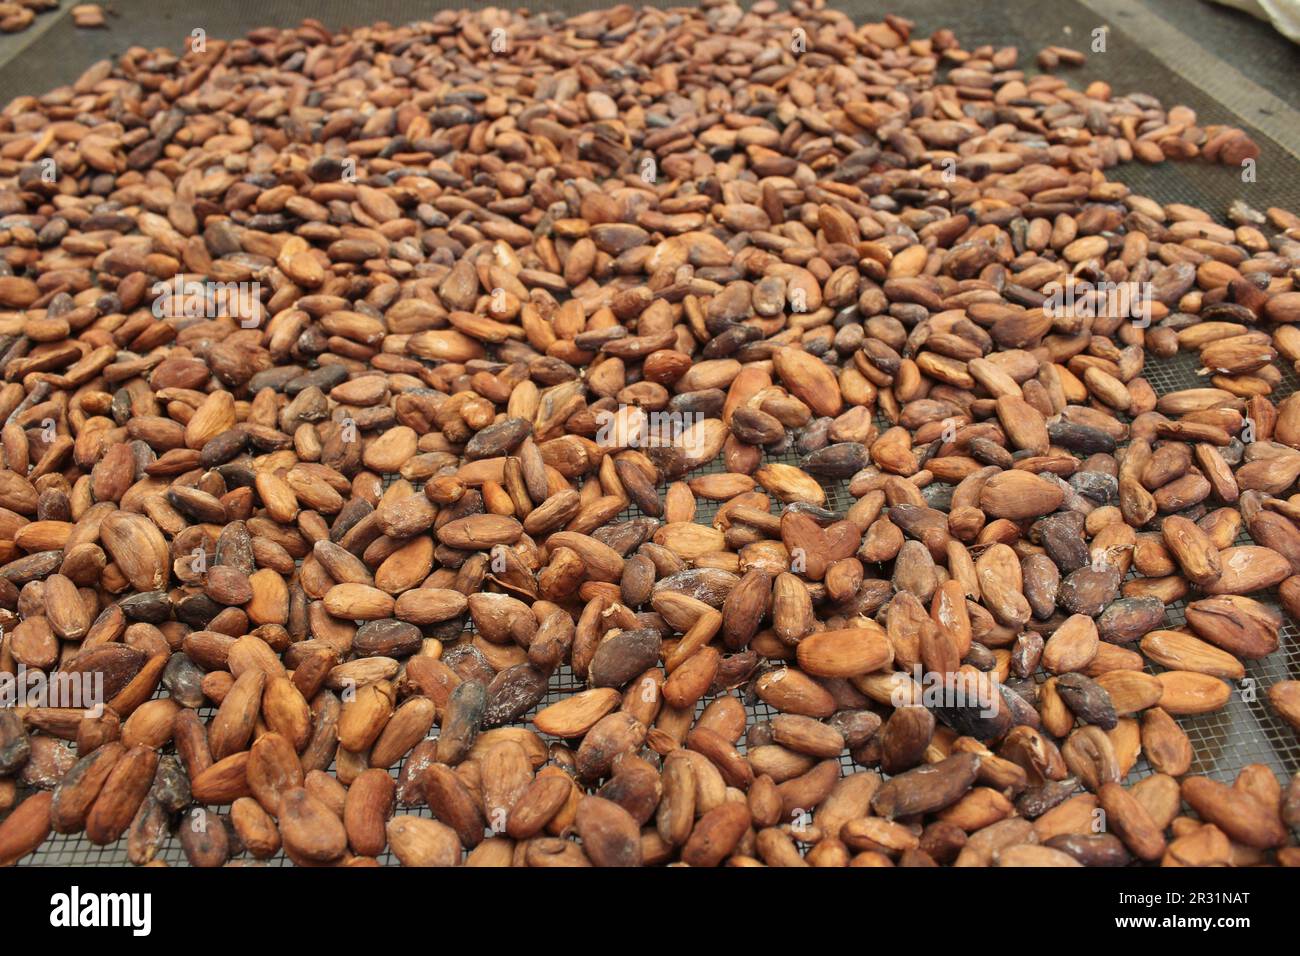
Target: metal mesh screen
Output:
{"points": [[1246, 730]]}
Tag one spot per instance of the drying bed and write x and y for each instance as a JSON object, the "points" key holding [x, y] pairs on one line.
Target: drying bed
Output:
{"points": [[1246, 730]]}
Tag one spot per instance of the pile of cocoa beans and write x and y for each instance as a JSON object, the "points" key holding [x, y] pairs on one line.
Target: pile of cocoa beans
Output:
{"points": [[417, 443]]}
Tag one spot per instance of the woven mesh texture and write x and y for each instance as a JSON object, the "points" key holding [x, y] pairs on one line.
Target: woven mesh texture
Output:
{"points": [[1238, 39]]}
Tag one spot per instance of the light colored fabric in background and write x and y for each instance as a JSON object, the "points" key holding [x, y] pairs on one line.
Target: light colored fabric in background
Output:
{"points": [[1283, 14]]}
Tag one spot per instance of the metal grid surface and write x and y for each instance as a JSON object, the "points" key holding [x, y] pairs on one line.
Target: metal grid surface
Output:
{"points": [[1246, 731]]}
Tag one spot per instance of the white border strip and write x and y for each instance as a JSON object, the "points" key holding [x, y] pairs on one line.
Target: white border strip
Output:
{"points": [[1207, 72]]}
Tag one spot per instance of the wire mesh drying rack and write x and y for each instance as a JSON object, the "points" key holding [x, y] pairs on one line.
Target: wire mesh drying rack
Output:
{"points": [[1245, 731]]}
